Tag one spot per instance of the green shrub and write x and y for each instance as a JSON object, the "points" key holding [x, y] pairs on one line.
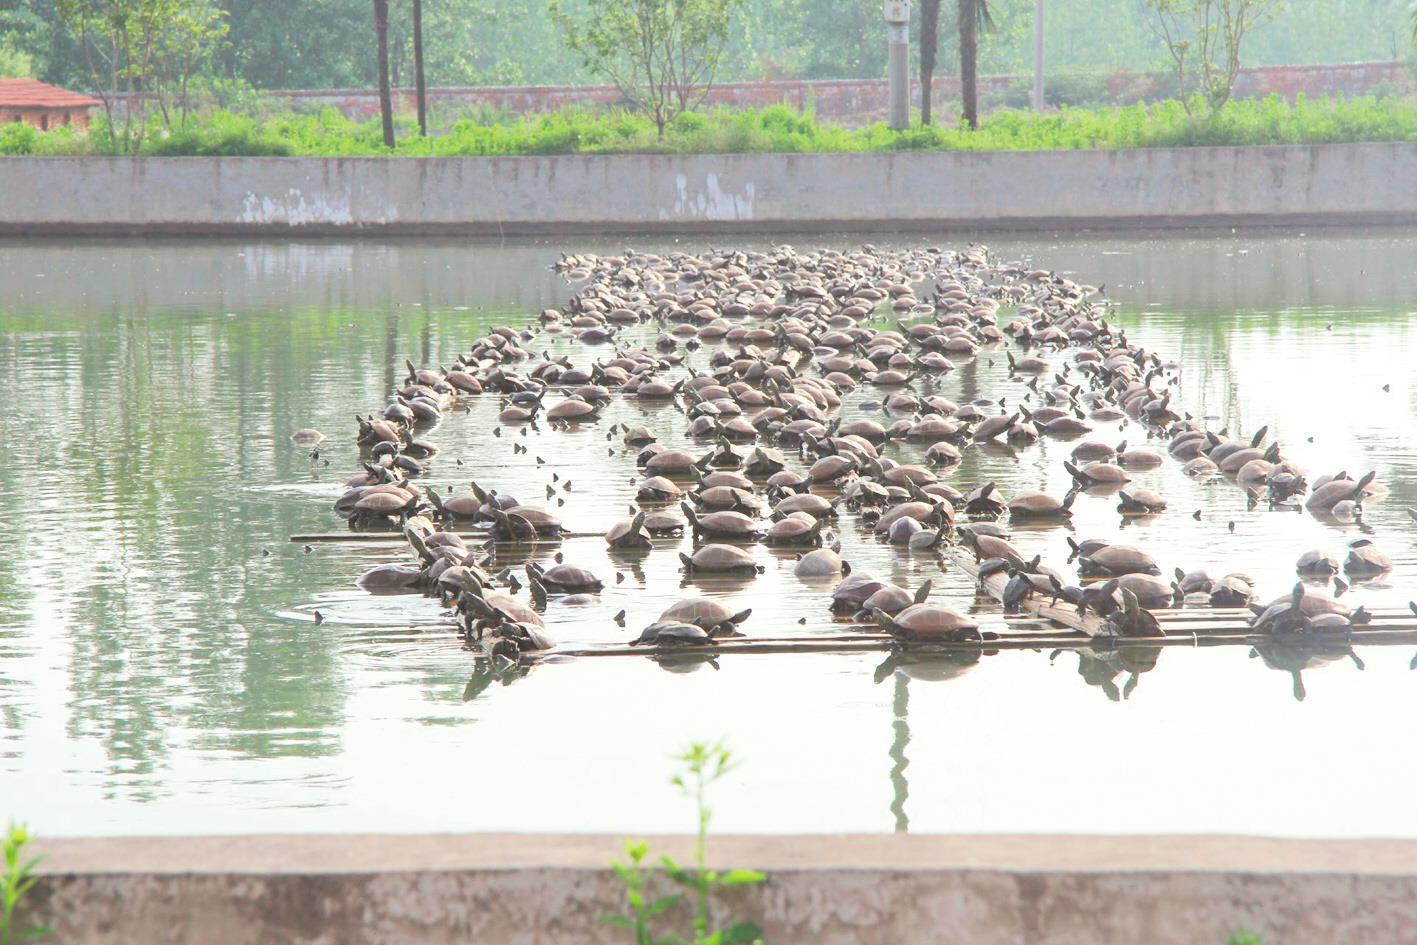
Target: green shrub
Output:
{"points": [[776, 128], [18, 137]]}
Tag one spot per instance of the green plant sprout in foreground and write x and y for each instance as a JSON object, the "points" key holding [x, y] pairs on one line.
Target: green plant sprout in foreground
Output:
{"points": [[703, 765], [16, 880]]}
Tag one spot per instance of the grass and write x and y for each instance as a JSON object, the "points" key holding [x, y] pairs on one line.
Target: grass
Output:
{"points": [[775, 129], [16, 879]]}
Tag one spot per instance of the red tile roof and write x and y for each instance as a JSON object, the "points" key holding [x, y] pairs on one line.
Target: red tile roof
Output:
{"points": [[28, 93]]}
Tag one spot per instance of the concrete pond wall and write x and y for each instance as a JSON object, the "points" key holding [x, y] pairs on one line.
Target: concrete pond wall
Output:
{"points": [[843, 890], [1342, 183]]}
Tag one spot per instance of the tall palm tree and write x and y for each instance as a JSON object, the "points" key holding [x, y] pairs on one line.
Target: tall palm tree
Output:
{"points": [[419, 82], [929, 46], [386, 102], [974, 17]]}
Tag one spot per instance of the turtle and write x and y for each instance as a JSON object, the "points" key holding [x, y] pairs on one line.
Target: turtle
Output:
{"points": [[565, 577], [720, 559], [851, 593], [1086, 547], [704, 612], [892, 598], [673, 633], [1116, 560], [1151, 591], [1097, 474], [1232, 590], [925, 540], [821, 562], [1032, 505], [663, 523], [764, 461], [799, 529], [1131, 619], [510, 639], [717, 498], [544, 522], [1137, 458], [657, 489], [814, 505], [1316, 563], [638, 436], [984, 501], [1365, 560], [991, 427], [725, 524], [631, 534], [671, 462], [467, 506], [930, 622], [381, 507], [307, 436], [1194, 582], [902, 530], [389, 578], [1307, 603], [1140, 502], [575, 411], [1324, 497], [919, 511], [1091, 451], [1200, 466]]}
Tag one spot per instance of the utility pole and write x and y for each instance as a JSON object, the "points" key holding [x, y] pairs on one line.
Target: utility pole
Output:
{"points": [[897, 15], [1038, 55]]}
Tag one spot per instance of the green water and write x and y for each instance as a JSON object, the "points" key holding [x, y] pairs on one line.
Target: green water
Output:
{"points": [[160, 670]]}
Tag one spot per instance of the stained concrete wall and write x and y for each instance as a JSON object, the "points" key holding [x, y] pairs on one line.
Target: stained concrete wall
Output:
{"points": [[864, 890], [720, 193]]}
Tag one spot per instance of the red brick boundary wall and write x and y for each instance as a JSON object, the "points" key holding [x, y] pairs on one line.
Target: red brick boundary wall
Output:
{"points": [[855, 101]]}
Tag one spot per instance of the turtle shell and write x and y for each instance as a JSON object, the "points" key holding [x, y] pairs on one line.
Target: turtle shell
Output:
{"points": [[932, 622]]}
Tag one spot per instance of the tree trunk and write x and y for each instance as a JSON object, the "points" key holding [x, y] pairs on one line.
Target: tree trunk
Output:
{"points": [[929, 45], [420, 83], [386, 103], [968, 61]]}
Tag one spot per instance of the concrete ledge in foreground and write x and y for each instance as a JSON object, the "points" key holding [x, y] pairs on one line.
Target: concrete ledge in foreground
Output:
{"points": [[864, 890], [645, 193]]}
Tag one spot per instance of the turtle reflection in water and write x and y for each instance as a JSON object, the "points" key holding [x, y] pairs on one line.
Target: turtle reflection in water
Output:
{"points": [[1293, 656], [930, 664], [1101, 668], [486, 671]]}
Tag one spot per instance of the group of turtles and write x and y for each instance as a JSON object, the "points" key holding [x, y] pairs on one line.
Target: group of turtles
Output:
{"points": [[758, 349]]}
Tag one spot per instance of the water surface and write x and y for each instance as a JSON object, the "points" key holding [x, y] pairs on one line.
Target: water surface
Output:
{"points": [[160, 670]]}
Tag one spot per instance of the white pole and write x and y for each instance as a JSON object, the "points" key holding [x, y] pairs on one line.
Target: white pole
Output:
{"points": [[1038, 55], [898, 25]]}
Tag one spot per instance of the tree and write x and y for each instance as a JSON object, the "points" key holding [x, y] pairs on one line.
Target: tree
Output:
{"points": [[142, 50], [662, 55], [419, 81], [1204, 39], [386, 102], [929, 49], [974, 17]]}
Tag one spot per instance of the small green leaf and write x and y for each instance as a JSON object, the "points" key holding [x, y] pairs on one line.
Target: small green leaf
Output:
{"points": [[742, 878], [663, 903], [741, 933], [619, 921]]}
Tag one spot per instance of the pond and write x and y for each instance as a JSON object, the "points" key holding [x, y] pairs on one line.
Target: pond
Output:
{"points": [[161, 670]]}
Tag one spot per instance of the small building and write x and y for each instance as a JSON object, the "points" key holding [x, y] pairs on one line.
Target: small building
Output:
{"points": [[44, 106]]}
